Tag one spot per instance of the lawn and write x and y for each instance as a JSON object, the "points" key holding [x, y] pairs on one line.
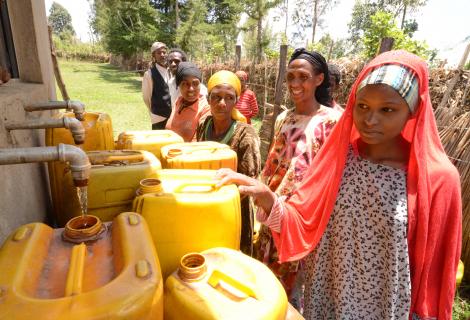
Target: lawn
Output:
{"points": [[102, 87]]}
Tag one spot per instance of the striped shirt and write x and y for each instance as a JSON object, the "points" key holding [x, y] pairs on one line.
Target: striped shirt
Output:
{"points": [[247, 104]]}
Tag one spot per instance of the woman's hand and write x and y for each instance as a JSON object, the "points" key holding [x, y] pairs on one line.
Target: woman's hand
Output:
{"points": [[262, 195]]}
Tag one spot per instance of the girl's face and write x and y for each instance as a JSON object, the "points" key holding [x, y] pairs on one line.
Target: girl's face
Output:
{"points": [[243, 83], [302, 81], [379, 113], [222, 99], [189, 88]]}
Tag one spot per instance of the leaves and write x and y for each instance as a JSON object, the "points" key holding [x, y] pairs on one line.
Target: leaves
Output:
{"points": [[61, 21]]}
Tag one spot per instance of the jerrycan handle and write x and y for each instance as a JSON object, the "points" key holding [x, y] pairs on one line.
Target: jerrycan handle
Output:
{"points": [[203, 148], [217, 276], [202, 187]]}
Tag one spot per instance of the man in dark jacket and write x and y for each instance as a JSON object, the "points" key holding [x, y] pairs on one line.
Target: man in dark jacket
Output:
{"points": [[155, 89]]}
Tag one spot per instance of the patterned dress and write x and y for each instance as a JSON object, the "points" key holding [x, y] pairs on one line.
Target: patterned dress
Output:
{"points": [[360, 268], [297, 139]]}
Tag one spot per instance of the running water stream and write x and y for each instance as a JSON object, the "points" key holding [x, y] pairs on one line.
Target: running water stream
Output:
{"points": [[82, 194]]}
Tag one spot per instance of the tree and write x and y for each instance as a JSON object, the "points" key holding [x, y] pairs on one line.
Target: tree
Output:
{"points": [[210, 28], [363, 10], [257, 10], [126, 27], [61, 21], [309, 13], [383, 25], [330, 48]]}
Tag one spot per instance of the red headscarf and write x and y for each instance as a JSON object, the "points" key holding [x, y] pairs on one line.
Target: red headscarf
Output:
{"points": [[434, 200]]}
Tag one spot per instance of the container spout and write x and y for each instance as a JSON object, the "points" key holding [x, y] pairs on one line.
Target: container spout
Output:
{"points": [[79, 162], [75, 126], [83, 228], [76, 106]]}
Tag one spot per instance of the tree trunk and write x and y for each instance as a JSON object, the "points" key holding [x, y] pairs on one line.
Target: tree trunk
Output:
{"points": [[403, 17], [287, 18], [177, 14], [238, 56], [259, 45], [314, 19]]}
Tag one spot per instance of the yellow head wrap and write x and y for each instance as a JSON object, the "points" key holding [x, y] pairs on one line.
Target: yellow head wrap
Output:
{"points": [[225, 77], [230, 78]]}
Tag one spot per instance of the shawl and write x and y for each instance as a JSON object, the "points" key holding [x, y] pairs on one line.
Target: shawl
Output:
{"points": [[433, 192]]}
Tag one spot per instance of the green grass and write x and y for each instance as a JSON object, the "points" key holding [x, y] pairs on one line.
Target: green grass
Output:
{"points": [[102, 87]]}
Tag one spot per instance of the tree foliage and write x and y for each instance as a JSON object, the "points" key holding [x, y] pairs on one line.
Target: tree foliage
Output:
{"points": [[210, 29], [383, 25], [363, 11], [61, 22], [330, 48], [126, 27], [257, 10]]}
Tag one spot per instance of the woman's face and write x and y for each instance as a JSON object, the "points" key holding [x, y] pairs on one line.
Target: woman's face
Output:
{"points": [[222, 99], [379, 113], [189, 88], [302, 81]]}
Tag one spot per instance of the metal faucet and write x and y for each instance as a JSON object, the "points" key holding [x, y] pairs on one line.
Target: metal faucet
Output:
{"points": [[79, 162], [75, 126], [76, 106]]}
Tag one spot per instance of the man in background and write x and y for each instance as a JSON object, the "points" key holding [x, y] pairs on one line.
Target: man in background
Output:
{"points": [[155, 90]]}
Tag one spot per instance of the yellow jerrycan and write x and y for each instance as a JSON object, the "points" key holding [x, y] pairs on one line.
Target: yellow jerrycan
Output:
{"points": [[148, 140], [221, 283], [185, 213], [114, 179], [98, 136], [198, 155], [89, 270]]}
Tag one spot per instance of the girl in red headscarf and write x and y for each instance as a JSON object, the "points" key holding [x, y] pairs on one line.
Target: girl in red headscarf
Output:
{"points": [[378, 216], [246, 104]]}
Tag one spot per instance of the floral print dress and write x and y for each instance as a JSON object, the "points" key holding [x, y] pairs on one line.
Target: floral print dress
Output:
{"points": [[297, 139], [360, 268]]}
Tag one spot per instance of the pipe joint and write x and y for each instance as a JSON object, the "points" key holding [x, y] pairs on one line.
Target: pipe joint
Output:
{"points": [[79, 163], [76, 128], [76, 106]]}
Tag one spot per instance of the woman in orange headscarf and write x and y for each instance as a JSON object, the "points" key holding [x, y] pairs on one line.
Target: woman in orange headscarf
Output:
{"points": [[378, 215]]}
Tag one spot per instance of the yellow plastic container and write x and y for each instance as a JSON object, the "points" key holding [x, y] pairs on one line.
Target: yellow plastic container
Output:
{"points": [[221, 283], [98, 136], [115, 276], [149, 140], [188, 214], [114, 179], [198, 155]]}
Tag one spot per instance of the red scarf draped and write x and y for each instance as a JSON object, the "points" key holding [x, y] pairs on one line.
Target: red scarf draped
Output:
{"points": [[434, 200]]}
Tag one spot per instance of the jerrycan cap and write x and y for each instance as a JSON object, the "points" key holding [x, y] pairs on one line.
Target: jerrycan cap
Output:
{"points": [[174, 152], [150, 185], [83, 228], [192, 267]]}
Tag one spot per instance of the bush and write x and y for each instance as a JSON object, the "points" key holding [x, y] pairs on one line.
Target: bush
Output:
{"points": [[71, 48]]}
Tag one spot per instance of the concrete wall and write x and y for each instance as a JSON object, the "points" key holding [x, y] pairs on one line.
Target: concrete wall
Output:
{"points": [[24, 195]]}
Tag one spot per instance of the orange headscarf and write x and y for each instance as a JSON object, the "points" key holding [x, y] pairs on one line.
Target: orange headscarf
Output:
{"points": [[434, 200]]}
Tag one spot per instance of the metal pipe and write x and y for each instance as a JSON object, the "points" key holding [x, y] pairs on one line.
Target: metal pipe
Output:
{"points": [[79, 163], [75, 126], [76, 106]]}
